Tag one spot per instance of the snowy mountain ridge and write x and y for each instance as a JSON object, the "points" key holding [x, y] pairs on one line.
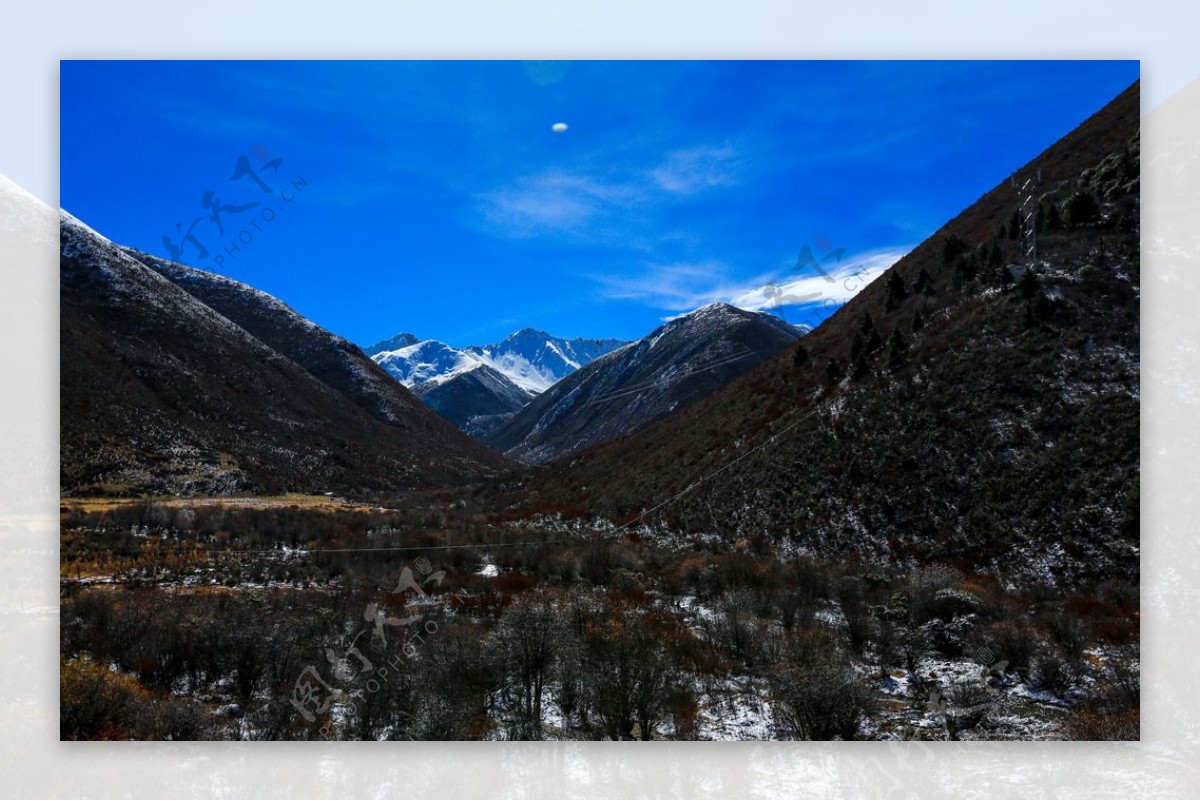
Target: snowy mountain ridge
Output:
{"points": [[532, 360]]}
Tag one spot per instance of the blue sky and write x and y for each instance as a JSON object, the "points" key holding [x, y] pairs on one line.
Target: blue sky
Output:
{"points": [[437, 197]]}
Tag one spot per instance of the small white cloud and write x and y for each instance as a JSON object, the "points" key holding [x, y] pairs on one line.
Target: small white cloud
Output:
{"points": [[558, 127]]}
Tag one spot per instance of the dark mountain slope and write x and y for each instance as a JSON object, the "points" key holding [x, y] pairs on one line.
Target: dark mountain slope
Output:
{"points": [[328, 357], [629, 388], [979, 419], [162, 393], [476, 401]]}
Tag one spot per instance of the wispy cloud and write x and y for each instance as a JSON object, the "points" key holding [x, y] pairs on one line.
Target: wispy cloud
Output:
{"points": [[588, 202], [695, 169], [556, 201], [676, 286]]}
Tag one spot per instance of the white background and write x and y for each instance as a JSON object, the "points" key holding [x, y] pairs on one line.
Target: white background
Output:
{"points": [[1163, 35]]}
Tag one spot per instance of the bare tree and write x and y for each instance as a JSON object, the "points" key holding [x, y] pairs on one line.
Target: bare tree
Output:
{"points": [[630, 677], [530, 641], [456, 687]]}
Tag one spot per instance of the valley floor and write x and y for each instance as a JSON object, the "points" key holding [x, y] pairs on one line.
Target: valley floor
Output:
{"points": [[423, 617]]}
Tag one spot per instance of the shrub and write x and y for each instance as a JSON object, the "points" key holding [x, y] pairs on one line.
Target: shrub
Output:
{"points": [[894, 292], [833, 371], [1011, 643], [818, 695], [1054, 673], [1081, 209]]}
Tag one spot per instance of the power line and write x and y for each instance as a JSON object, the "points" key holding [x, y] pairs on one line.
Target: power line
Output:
{"points": [[704, 479]]}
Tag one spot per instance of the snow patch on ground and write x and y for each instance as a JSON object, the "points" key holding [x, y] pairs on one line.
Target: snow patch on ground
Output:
{"points": [[735, 709]]}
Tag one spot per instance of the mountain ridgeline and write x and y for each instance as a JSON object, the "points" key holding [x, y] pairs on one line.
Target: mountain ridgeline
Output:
{"points": [[974, 405], [626, 390]]}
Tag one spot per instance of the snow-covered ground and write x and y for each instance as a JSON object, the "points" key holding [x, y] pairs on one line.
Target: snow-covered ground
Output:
{"points": [[735, 709]]}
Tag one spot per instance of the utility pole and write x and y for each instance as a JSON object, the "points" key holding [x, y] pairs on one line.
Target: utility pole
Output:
{"points": [[1028, 216]]}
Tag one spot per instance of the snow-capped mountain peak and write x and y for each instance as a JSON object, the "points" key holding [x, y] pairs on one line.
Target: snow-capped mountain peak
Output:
{"points": [[424, 361], [396, 342], [532, 360]]}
